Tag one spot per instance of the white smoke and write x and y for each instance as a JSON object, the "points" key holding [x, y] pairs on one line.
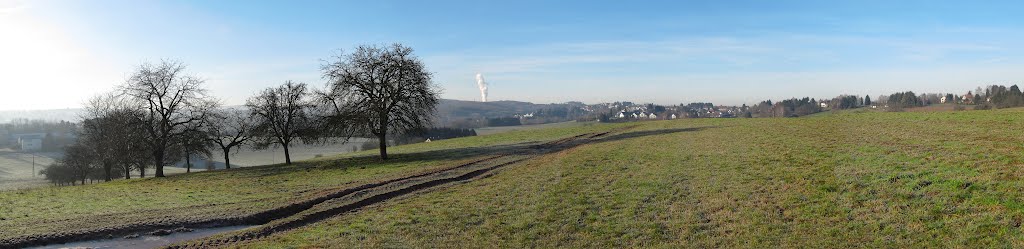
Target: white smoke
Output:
{"points": [[480, 83]]}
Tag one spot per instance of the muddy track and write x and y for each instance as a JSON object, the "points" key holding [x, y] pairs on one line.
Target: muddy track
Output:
{"points": [[300, 213]]}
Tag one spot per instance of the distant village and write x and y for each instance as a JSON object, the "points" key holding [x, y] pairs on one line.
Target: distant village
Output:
{"points": [[36, 135], [990, 97], [629, 110]]}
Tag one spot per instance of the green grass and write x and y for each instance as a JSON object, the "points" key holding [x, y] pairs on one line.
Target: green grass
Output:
{"points": [[16, 169], [867, 179], [213, 193], [847, 179]]}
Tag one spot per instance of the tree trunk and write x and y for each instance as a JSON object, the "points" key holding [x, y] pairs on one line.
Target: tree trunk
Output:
{"points": [[287, 156], [158, 158], [107, 168], [142, 171], [383, 146], [188, 163], [382, 137], [227, 159], [127, 171]]}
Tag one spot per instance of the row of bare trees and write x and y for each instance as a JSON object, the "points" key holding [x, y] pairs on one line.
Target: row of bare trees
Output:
{"points": [[162, 115]]}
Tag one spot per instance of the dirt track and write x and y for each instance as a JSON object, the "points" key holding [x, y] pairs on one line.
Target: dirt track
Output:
{"points": [[324, 205]]}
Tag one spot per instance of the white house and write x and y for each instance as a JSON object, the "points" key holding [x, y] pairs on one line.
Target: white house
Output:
{"points": [[652, 116], [30, 141], [673, 116], [824, 105], [942, 100]]}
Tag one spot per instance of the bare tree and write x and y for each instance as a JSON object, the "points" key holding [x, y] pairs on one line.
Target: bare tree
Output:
{"points": [[78, 160], [281, 115], [229, 129], [195, 142], [377, 90], [170, 101], [111, 130]]}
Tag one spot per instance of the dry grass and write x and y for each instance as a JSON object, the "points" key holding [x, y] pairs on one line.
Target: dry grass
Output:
{"points": [[238, 191], [950, 179]]}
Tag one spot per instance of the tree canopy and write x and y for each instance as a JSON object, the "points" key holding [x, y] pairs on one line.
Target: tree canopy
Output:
{"points": [[377, 90]]}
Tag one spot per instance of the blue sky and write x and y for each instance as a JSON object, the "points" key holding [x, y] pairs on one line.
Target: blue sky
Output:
{"points": [[668, 52]]}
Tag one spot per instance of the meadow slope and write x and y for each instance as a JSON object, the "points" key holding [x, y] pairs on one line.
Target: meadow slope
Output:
{"points": [[183, 199], [842, 180], [845, 180]]}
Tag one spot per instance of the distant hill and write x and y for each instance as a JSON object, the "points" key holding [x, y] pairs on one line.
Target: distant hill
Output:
{"points": [[456, 112], [70, 114], [465, 109]]}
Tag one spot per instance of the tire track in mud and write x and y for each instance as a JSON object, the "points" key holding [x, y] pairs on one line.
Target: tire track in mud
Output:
{"points": [[325, 205]]}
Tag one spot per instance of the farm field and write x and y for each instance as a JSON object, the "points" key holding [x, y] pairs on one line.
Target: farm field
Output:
{"points": [[857, 179], [16, 169]]}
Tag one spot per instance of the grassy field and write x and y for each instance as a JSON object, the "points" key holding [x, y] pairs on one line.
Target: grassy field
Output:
{"points": [[16, 169], [226, 192], [848, 179]]}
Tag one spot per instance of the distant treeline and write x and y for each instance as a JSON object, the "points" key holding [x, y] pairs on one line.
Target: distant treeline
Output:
{"points": [[904, 100], [1002, 97], [787, 108], [993, 96], [509, 121]]}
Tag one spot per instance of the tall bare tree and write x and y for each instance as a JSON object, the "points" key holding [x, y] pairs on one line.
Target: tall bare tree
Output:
{"points": [[170, 101], [377, 90], [282, 116], [229, 129]]}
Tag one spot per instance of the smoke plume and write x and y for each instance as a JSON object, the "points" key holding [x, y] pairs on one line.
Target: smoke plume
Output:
{"points": [[480, 83]]}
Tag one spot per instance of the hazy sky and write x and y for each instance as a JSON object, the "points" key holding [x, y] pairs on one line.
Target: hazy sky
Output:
{"points": [[56, 54]]}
